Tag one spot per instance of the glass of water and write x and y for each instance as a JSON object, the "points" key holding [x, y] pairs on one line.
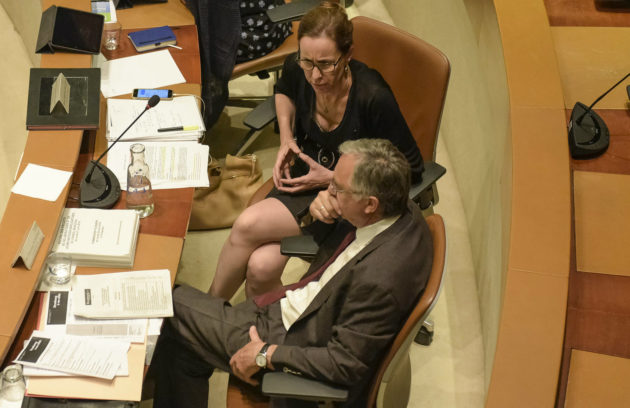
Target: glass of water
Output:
{"points": [[13, 386], [58, 268]]}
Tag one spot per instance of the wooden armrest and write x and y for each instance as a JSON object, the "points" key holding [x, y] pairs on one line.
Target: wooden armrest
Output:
{"points": [[285, 385]]}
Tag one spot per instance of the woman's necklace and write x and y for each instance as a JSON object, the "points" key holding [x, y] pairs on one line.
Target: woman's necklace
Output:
{"points": [[324, 106]]}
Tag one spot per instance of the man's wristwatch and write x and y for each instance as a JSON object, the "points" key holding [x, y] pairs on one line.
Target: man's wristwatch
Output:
{"points": [[261, 357]]}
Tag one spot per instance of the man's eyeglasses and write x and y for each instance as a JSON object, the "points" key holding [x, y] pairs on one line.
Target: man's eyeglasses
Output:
{"points": [[324, 67], [334, 190]]}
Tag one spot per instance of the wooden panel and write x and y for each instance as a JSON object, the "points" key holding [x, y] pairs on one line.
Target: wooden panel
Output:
{"points": [[603, 293], [602, 222], [18, 283], [173, 13], [599, 332], [616, 159], [171, 214], [583, 13], [530, 58], [529, 347], [541, 219], [591, 60], [597, 380]]}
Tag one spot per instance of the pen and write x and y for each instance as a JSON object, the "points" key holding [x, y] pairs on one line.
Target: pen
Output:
{"points": [[176, 128]]}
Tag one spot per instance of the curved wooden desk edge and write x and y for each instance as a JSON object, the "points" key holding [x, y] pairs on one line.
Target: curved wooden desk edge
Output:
{"points": [[531, 328]]}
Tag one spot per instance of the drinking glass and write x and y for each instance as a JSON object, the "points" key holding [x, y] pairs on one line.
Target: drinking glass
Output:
{"points": [[58, 268], [111, 35]]}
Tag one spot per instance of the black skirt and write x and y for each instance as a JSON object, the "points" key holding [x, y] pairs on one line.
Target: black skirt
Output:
{"points": [[297, 203]]}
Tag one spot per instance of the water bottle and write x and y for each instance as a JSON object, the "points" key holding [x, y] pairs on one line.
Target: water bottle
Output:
{"points": [[139, 192]]}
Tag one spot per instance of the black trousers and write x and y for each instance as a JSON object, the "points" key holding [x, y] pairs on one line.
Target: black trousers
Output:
{"points": [[203, 335]]}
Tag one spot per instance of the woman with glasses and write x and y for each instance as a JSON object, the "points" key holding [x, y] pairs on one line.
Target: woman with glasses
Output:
{"points": [[323, 98]]}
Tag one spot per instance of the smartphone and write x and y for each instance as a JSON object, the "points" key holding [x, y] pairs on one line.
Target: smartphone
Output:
{"points": [[165, 94]]}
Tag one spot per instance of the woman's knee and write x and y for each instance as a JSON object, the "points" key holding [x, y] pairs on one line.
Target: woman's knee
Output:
{"points": [[265, 267]]}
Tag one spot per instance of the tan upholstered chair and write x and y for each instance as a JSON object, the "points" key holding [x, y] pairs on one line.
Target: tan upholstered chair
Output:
{"points": [[390, 387]]}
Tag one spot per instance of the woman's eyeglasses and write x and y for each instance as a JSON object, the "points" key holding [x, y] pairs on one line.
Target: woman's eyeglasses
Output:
{"points": [[324, 67]]}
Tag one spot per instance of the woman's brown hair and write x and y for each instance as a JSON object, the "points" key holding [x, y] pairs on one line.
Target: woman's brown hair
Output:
{"points": [[329, 19]]}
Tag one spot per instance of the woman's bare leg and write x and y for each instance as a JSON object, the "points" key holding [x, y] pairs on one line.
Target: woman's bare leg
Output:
{"points": [[264, 269], [264, 222]]}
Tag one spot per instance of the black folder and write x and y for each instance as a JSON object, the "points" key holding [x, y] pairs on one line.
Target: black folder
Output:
{"points": [[69, 30]]}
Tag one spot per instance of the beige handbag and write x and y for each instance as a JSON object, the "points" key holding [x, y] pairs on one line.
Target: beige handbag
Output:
{"points": [[232, 183]]}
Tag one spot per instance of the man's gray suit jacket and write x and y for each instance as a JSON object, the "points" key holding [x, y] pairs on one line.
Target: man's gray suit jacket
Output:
{"points": [[344, 332]]}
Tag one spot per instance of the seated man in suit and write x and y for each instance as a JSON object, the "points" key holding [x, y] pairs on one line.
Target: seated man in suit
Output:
{"points": [[333, 325]]}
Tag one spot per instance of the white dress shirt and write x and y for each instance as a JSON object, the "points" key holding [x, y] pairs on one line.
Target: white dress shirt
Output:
{"points": [[296, 301]]}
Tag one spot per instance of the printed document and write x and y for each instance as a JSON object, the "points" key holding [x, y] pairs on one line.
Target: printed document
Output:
{"points": [[58, 319], [123, 295], [171, 164], [75, 355], [182, 111], [95, 237], [152, 70]]}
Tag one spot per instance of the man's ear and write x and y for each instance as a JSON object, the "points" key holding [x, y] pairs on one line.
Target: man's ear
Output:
{"points": [[372, 205]]}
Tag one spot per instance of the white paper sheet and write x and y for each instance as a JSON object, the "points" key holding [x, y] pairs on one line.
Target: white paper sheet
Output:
{"points": [[149, 70], [41, 182], [72, 354], [123, 295], [171, 164]]}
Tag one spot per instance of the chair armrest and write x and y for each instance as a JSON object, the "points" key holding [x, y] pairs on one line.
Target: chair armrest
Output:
{"points": [[432, 172], [284, 385], [261, 115], [299, 245], [291, 11]]}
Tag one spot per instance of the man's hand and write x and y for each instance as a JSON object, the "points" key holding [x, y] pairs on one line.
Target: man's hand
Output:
{"points": [[325, 207], [243, 362], [285, 156], [317, 176]]}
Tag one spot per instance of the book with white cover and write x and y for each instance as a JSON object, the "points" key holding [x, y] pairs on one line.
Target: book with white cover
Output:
{"points": [[94, 237]]}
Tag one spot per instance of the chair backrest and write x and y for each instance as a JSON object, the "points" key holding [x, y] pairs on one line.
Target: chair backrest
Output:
{"points": [[417, 73], [400, 346]]}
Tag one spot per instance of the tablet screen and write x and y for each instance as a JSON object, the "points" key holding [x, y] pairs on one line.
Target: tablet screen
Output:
{"points": [[78, 30]]}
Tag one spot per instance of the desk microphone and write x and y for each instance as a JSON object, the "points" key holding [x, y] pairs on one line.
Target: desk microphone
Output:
{"points": [[588, 134], [101, 189]]}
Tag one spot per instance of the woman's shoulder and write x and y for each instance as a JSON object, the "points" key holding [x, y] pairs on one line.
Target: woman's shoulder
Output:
{"points": [[370, 84], [364, 74]]}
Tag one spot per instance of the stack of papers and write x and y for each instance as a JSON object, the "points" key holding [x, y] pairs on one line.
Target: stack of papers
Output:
{"points": [[181, 112], [171, 164], [123, 295], [69, 348], [75, 355], [93, 237]]}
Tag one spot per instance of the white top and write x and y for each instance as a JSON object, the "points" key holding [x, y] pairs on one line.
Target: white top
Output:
{"points": [[296, 301]]}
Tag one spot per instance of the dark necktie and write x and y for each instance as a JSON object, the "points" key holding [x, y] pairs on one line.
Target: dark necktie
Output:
{"points": [[275, 295]]}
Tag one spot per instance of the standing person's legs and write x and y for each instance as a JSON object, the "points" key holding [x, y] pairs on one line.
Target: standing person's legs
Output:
{"points": [[264, 222]]}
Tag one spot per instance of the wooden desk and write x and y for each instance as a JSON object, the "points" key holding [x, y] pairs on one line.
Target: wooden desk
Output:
{"points": [[161, 235]]}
